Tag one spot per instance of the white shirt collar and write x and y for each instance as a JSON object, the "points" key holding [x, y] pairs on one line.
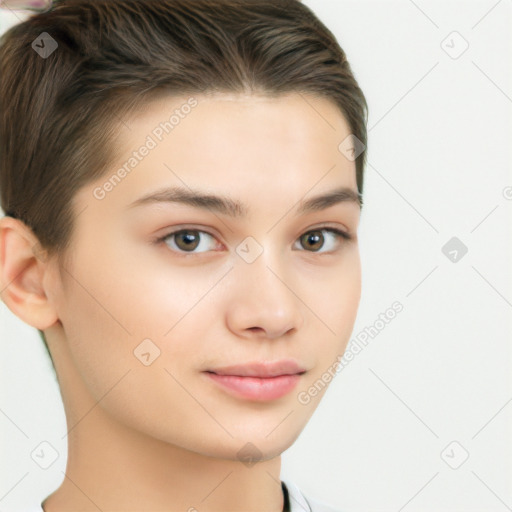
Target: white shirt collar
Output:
{"points": [[298, 502]]}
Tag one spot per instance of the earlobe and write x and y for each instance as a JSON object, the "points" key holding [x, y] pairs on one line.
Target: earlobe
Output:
{"points": [[22, 272]]}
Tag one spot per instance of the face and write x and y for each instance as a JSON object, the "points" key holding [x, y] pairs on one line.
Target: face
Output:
{"points": [[158, 292]]}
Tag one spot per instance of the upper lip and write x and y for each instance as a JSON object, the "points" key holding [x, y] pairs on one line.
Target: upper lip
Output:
{"points": [[261, 369]]}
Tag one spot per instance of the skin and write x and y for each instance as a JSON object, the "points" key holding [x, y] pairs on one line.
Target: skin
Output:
{"points": [[163, 436]]}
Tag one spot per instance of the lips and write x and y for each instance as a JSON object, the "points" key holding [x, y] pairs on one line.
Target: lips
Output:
{"points": [[264, 369], [258, 381]]}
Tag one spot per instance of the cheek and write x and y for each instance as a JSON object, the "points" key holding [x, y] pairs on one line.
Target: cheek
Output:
{"points": [[334, 304], [335, 287], [114, 314]]}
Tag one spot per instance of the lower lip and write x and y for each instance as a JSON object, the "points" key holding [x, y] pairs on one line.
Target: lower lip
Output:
{"points": [[254, 388]]}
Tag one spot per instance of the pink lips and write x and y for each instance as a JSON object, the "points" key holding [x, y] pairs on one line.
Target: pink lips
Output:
{"points": [[258, 381]]}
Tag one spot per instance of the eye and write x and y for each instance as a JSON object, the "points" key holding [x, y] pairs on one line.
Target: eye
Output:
{"points": [[185, 241], [188, 240], [315, 238]]}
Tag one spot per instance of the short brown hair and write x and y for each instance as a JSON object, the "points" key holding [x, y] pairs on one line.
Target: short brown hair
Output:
{"points": [[58, 115]]}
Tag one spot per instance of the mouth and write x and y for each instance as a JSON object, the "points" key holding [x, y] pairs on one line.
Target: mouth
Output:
{"points": [[258, 381]]}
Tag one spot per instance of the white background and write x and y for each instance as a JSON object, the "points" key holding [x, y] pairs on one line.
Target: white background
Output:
{"points": [[439, 164]]}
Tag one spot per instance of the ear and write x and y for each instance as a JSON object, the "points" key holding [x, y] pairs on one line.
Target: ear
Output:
{"points": [[23, 268]]}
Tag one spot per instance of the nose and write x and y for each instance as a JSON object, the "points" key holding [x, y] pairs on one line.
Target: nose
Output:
{"points": [[263, 303]]}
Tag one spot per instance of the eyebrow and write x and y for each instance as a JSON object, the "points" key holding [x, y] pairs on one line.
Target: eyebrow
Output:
{"points": [[232, 208]]}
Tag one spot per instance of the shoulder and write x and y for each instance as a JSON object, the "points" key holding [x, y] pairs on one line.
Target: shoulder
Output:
{"points": [[299, 502]]}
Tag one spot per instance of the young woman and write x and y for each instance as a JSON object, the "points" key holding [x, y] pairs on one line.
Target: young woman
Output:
{"points": [[182, 187]]}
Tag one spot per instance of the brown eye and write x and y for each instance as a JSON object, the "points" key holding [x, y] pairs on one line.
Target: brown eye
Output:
{"points": [[188, 240], [314, 240]]}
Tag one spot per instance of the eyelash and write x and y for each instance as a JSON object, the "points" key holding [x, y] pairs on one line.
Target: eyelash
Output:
{"points": [[339, 233]]}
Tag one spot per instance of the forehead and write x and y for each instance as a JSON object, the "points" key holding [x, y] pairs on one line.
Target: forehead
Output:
{"points": [[255, 147], [296, 119]]}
